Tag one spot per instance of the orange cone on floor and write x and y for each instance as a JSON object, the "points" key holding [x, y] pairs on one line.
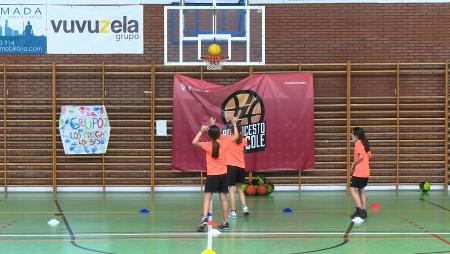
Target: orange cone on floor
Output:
{"points": [[375, 205], [212, 223]]}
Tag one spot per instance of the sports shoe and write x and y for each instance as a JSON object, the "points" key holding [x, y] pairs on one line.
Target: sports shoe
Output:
{"points": [[358, 213], [224, 226], [232, 214], [364, 214], [245, 210], [202, 225]]}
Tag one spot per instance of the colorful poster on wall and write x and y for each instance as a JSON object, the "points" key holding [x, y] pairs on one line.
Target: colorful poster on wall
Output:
{"points": [[276, 112], [95, 29], [23, 29], [84, 129]]}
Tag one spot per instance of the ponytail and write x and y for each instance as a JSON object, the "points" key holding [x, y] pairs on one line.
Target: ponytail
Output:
{"points": [[359, 132], [239, 139], [214, 134], [215, 148], [366, 144]]}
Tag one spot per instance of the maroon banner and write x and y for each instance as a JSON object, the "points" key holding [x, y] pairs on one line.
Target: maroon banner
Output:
{"points": [[276, 112]]}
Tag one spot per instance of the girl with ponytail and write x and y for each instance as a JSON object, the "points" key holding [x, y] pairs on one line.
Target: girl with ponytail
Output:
{"points": [[360, 172], [216, 168], [236, 173]]}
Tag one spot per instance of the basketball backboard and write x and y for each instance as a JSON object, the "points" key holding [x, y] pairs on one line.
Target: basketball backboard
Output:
{"points": [[190, 26]]}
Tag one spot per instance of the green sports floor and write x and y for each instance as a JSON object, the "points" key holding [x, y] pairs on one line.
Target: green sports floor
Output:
{"points": [[407, 222]]}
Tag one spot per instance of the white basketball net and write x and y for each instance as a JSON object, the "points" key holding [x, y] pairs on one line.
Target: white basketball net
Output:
{"points": [[214, 63]]}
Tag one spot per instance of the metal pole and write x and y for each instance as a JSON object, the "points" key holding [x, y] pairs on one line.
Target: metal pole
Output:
{"points": [[299, 172], [349, 94], [446, 129], [397, 156], [152, 129], [103, 103], [5, 132], [54, 126], [201, 173], [250, 72]]}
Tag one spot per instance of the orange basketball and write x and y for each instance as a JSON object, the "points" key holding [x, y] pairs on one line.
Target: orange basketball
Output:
{"points": [[262, 190], [251, 190]]}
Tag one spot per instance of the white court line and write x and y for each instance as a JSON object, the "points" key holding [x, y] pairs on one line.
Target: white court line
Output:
{"points": [[200, 198], [228, 234]]}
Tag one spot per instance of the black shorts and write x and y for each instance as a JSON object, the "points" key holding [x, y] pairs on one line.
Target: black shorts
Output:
{"points": [[358, 182], [235, 175], [217, 183]]}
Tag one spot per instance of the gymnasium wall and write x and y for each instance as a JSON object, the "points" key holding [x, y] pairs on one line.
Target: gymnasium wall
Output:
{"points": [[409, 142]]}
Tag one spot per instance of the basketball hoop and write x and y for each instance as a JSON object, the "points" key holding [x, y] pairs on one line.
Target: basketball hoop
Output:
{"points": [[214, 63]]}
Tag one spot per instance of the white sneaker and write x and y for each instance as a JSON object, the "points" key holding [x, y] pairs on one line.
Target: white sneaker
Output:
{"points": [[232, 214], [245, 210]]}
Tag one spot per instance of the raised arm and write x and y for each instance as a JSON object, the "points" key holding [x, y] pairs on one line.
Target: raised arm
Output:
{"points": [[234, 121], [212, 120], [196, 141]]}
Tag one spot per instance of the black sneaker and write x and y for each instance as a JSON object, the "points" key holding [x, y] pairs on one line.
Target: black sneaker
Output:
{"points": [[201, 227], [364, 214], [358, 213], [224, 227]]}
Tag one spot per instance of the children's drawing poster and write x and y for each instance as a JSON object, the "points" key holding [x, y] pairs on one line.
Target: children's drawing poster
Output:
{"points": [[84, 129]]}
